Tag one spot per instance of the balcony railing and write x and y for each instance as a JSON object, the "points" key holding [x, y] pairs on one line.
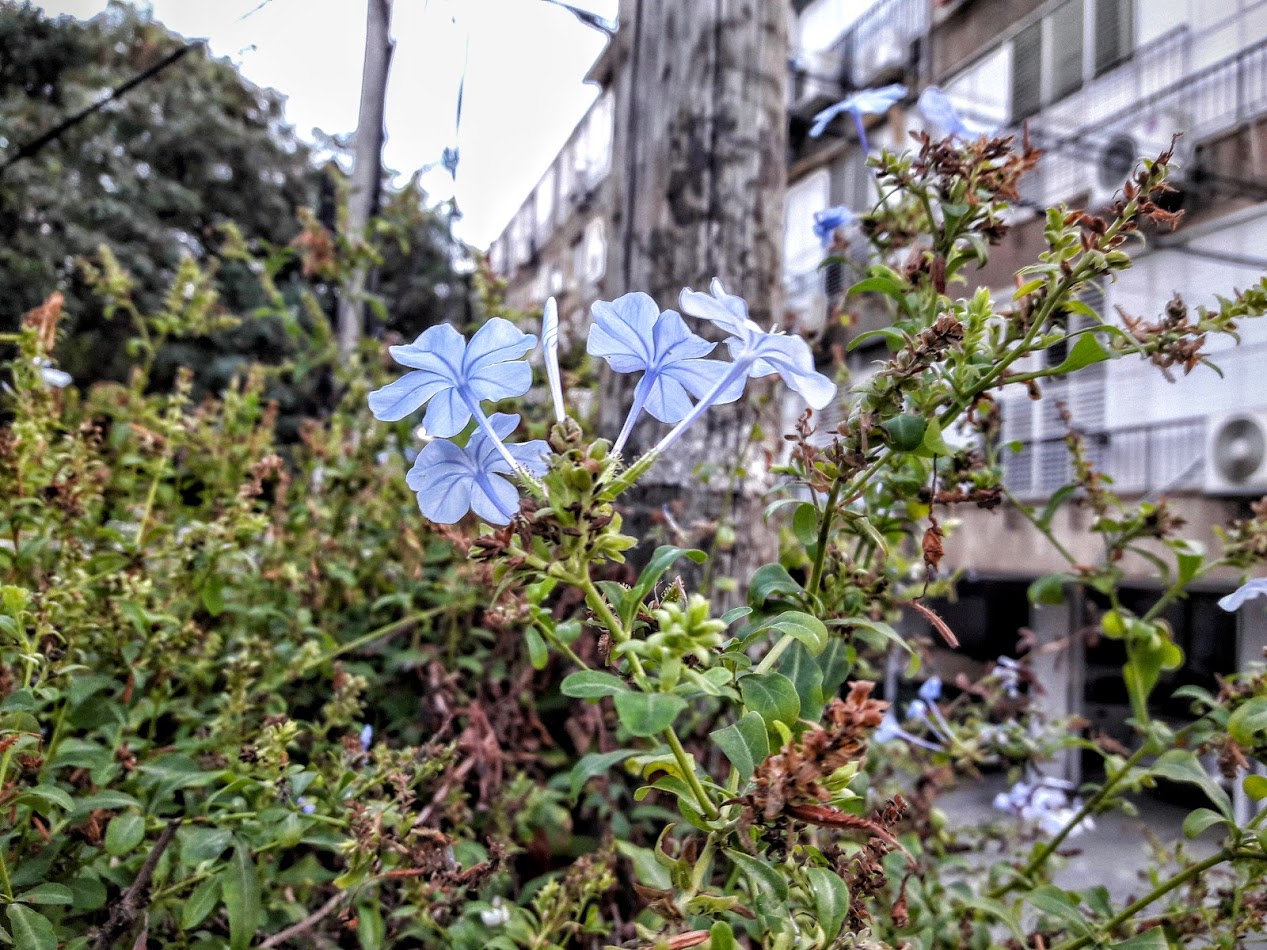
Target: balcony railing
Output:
{"points": [[1141, 460], [1133, 100]]}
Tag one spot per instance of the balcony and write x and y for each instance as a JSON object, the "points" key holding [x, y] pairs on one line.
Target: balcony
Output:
{"points": [[1138, 107]]}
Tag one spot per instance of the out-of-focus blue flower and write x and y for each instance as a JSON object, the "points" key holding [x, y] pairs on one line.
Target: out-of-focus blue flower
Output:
{"points": [[863, 102], [455, 376], [450, 481], [890, 731], [1010, 673], [930, 689], [937, 109], [52, 376], [367, 737], [1247, 591], [925, 711], [829, 220], [550, 343], [1045, 804], [633, 335], [305, 806]]}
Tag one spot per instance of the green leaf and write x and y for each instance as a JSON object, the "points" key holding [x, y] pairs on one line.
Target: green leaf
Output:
{"points": [[240, 884], [906, 431], [1189, 556], [202, 844], [804, 627], [892, 337], [831, 899], [663, 558], [31, 930], [745, 743], [1248, 721], [772, 695], [1048, 589], [997, 910], [721, 937], [1085, 352], [89, 893], [1053, 901], [836, 662], [1154, 939], [1058, 498], [47, 893], [46, 795], [803, 670], [200, 904], [212, 594], [593, 684], [646, 714], [805, 524], [767, 885], [1255, 787], [1182, 765], [592, 765], [647, 869], [538, 651], [933, 443], [371, 932], [124, 833], [769, 580], [1199, 820]]}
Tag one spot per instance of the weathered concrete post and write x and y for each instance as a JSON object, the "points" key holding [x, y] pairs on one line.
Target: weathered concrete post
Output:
{"points": [[699, 168]]}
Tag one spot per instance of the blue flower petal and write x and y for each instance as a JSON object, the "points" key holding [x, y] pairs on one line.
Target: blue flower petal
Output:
{"points": [[1247, 591], [723, 310], [863, 102], [454, 376], [829, 220], [789, 357]]}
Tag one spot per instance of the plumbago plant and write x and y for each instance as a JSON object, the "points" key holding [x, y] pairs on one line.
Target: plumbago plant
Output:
{"points": [[803, 807]]}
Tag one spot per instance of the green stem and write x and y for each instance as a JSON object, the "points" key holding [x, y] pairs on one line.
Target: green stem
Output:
{"points": [[1165, 887], [598, 604], [365, 640], [1028, 514], [824, 532], [561, 646], [1046, 850], [773, 654]]}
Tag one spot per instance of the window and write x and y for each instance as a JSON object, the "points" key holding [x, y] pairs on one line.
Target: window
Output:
{"points": [[1065, 31], [1079, 40], [1114, 33], [1027, 71]]}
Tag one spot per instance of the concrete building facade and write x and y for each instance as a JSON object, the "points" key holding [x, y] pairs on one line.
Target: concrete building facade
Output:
{"points": [[1100, 83]]}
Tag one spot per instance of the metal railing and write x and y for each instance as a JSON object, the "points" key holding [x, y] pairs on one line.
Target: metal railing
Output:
{"points": [[1141, 460], [1204, 104], [880, 37]]}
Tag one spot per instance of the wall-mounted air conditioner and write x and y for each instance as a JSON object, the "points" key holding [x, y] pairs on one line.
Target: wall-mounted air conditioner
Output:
{"points": [[1118, 157], [1236, 454]]}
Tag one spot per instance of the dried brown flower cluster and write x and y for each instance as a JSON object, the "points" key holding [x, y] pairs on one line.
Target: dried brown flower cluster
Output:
{"points": [[794, 778]]}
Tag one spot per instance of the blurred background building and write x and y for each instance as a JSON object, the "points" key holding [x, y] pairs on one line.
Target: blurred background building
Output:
{"points": [[1100, 83]]}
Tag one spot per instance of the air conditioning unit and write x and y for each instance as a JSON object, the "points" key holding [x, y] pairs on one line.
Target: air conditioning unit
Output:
{"points": [[1236, 454], [1121, 154], [815, 82]]}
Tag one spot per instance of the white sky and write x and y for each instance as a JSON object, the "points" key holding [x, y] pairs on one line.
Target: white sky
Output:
{"points": [[524, 81]]}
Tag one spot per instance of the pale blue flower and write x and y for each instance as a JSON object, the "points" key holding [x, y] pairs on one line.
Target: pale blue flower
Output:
{"points": [[937, 109], [633, 335], [754, 353], [1010, 673], [550, 343], [450, 481], [366, 737], [1247, 591], [930, 689], [305, 806], [829, 220], [925, 711], [890, 731], [863, 102], [455, 376], [1044, 803]]}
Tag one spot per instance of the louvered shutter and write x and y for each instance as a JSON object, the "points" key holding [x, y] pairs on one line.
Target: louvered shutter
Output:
{"points": [[1027, 71]]}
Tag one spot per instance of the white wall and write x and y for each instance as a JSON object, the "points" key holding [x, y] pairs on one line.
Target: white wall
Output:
{"points": [[1137, 391]]}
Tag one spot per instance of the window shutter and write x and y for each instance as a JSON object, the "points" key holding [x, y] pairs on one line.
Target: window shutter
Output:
{"points": [[1027, 71], [1066, 49], [1114, 32]]}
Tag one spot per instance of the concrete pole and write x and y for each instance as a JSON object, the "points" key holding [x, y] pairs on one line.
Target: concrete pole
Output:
{"points": [[367, 163], [1060, 672]]}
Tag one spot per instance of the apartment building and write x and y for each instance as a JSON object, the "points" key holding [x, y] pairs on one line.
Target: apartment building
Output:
{"points": [[1100, 83]]}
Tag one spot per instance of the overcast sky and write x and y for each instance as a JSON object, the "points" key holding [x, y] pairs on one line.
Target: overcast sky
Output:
{"points": [[524, 80]]}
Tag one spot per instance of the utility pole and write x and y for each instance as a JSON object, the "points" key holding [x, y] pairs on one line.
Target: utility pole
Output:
{"points": [[700, 174], [367, 164]]}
